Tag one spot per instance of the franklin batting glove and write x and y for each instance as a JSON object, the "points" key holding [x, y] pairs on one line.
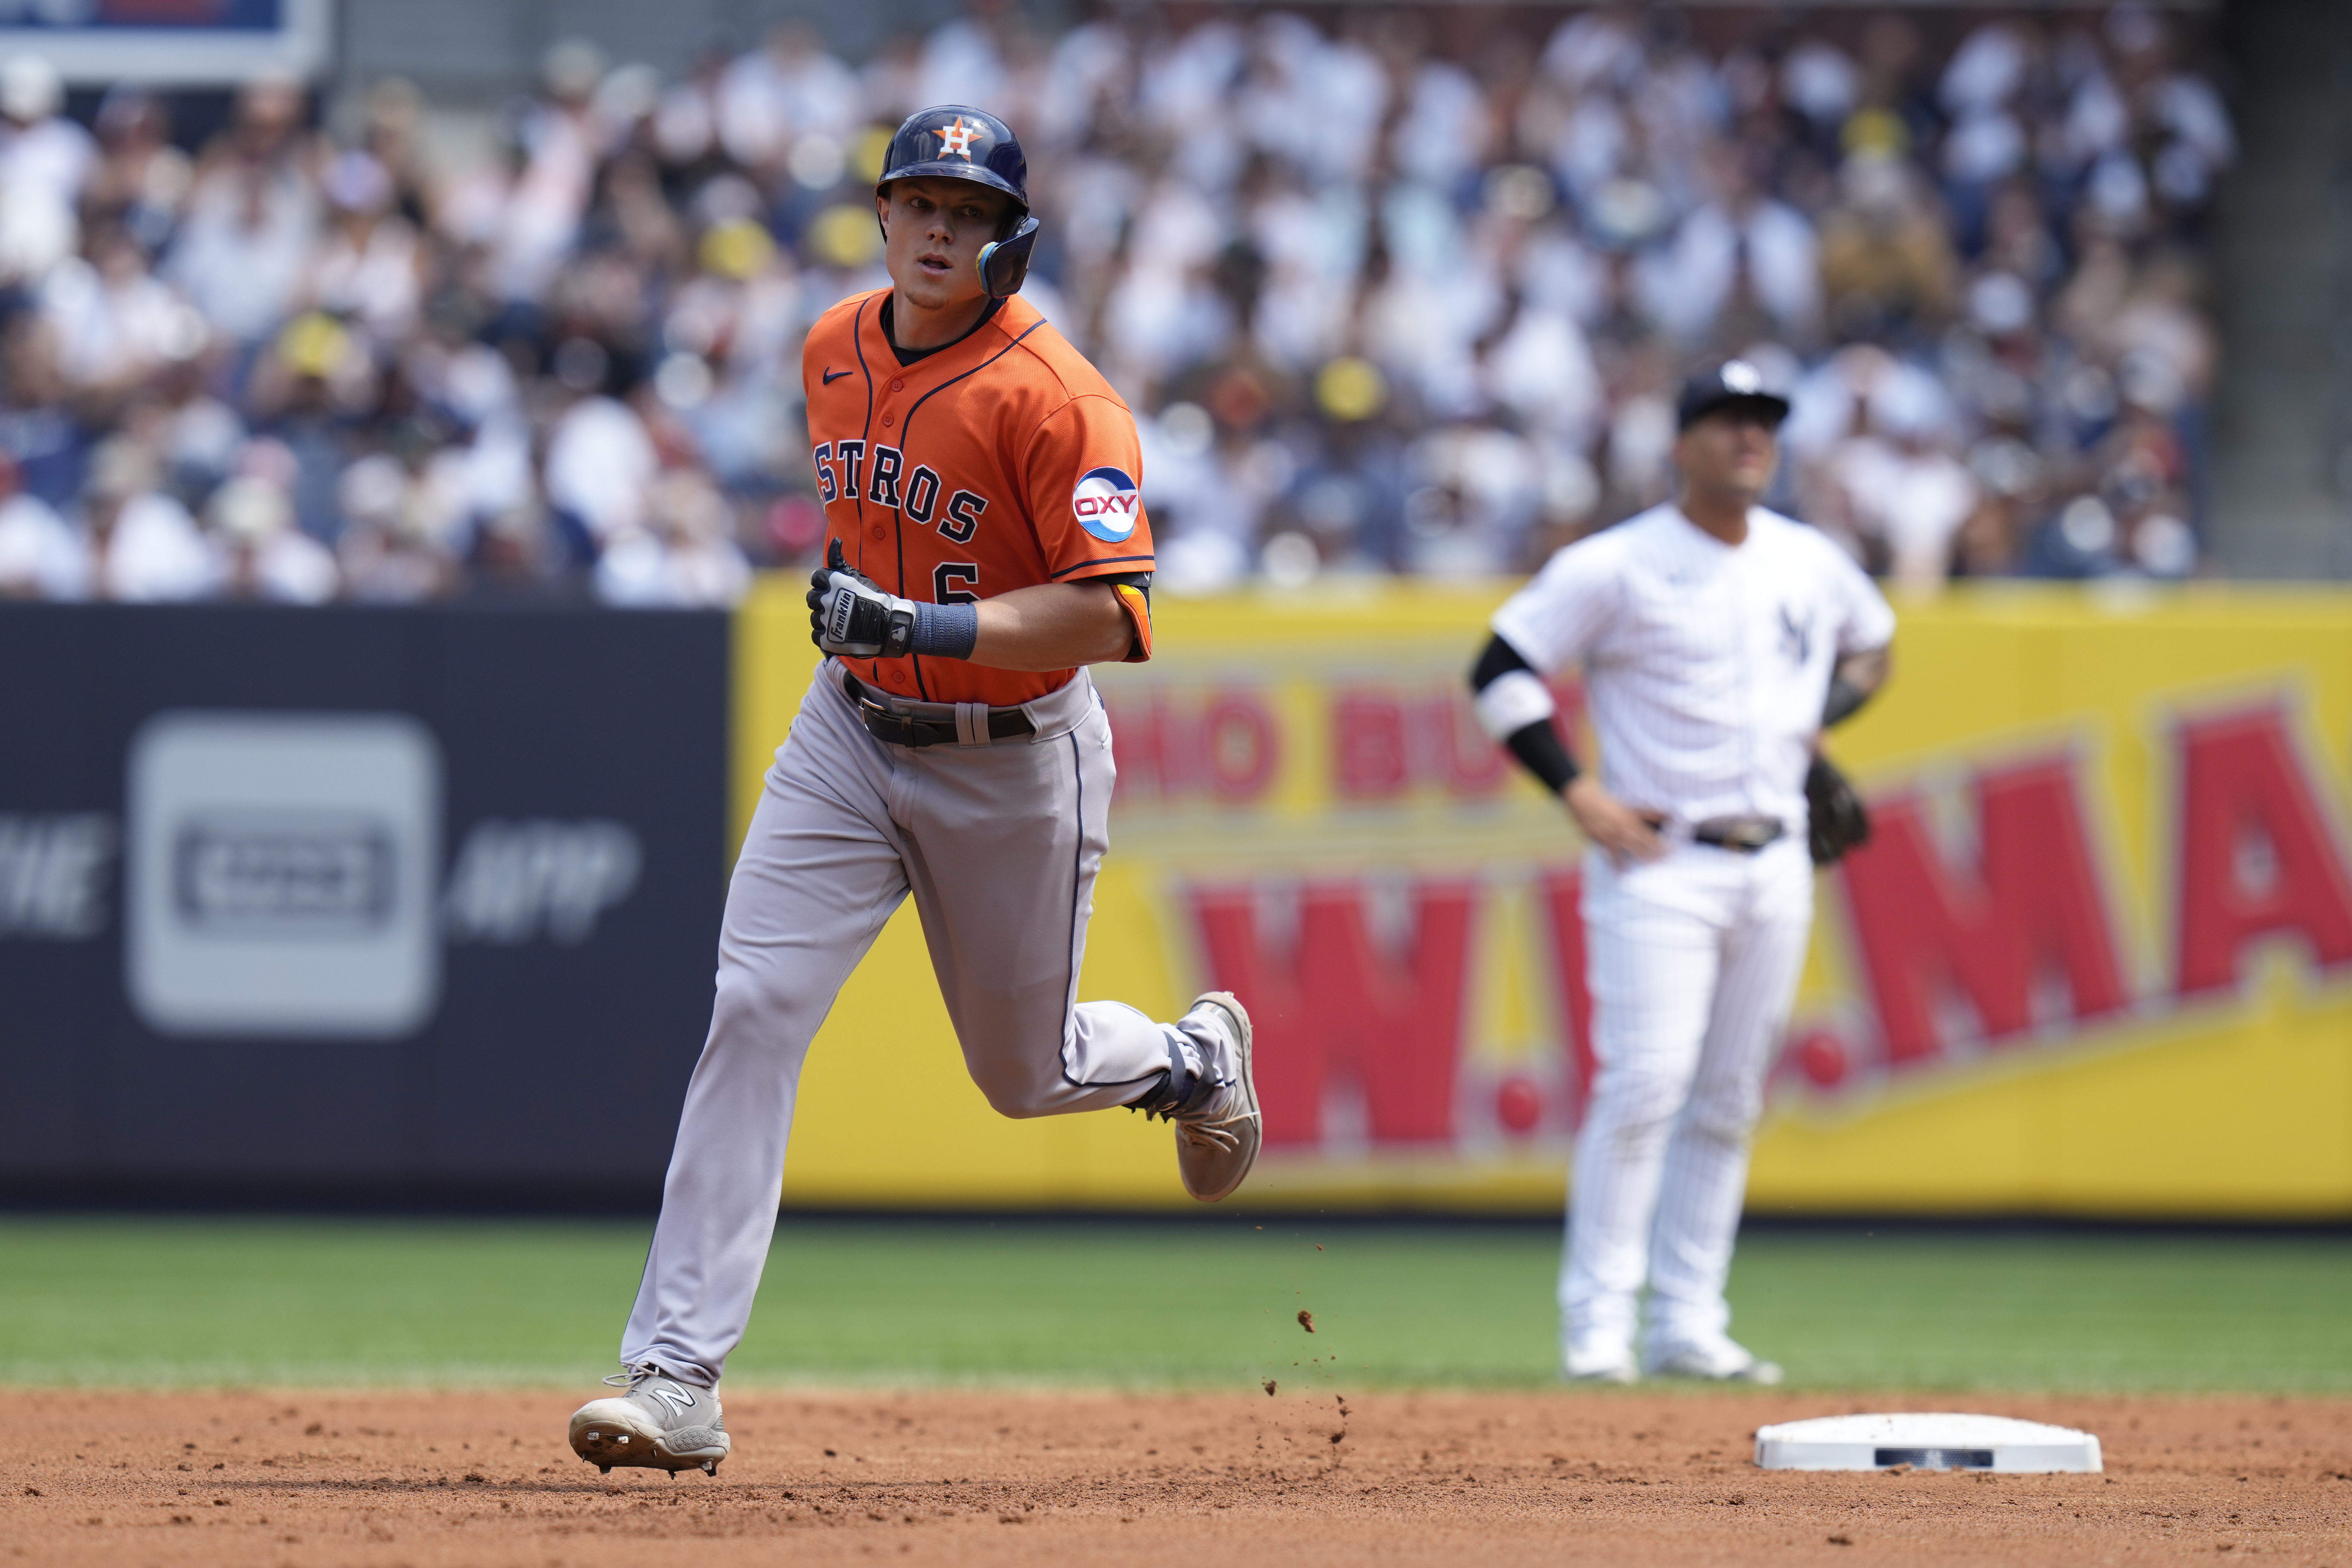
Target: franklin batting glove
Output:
{"points": [[851, 616]]}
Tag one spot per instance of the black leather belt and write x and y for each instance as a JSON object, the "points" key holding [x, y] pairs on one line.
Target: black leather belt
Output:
{"points": [[1740, 834], [910, 729]]}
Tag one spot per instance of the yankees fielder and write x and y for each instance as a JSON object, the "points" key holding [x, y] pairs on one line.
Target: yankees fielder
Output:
{"points": [[987, 542], [1716, 640]]}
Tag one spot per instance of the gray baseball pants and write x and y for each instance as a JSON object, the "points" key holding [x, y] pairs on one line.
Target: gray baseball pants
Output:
{"points": [[999, 844], [1693, 961]]}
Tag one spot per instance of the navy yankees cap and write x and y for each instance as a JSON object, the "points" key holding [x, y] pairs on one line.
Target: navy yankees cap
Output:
{"points": [[1735, 382]]}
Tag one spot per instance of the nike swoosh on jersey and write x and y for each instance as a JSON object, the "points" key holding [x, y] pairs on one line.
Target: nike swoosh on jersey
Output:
{"points": [[832, 375]]}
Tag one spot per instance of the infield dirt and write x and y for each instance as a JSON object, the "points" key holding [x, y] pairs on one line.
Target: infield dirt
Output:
{"points": [[1303, 1476]]}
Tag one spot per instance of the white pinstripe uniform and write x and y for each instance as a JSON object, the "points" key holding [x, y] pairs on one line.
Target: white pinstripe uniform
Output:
{"points": [[1705, 668]]}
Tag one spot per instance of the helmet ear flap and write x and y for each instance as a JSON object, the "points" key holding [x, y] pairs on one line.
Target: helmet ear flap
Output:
{"points": [[1005, 263]]}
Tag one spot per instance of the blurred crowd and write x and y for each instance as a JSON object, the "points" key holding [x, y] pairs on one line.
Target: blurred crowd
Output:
{"points": [[1398, 297]]}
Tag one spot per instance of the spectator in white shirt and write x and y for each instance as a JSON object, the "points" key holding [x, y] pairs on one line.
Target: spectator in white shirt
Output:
{"points": [[600, 462], [398, 533], [40, 557], [251, 220], [266, 557], [1542, 370], [537, 221], [142, 545], [769, 99], [683, 558], [1904, 493], [1442, 137], [46, 159], [368, 270], [1744, 248], [140, 173], [116, 322]]}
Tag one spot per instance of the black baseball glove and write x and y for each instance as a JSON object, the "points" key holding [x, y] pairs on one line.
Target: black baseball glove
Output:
{"points": [[1836, 821]]}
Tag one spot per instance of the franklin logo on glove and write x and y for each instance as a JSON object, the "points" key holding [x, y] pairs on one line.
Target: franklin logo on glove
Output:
{"points": [[850, 615]]}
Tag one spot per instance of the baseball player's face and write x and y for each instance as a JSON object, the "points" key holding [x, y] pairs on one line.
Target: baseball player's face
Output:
{"points": [[1731, 453], [935, 231]]}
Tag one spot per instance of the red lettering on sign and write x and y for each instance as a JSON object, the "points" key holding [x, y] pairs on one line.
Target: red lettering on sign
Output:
{"points": [[2030, 905], [1368, 755], [2257, 855], [1240, 748], [1383, 743], [1461, 756], [1334, 1002], [1144, 746], [1228, 747]]}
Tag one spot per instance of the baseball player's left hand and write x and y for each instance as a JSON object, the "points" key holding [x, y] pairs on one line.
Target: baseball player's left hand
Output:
{"points": [[848, 615]]}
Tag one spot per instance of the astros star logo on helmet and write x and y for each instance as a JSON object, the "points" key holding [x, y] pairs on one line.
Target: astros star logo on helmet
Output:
{"points": [[958, 138]]}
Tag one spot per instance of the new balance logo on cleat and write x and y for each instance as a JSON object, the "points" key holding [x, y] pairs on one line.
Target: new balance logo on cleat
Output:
{"points": [[648, 1426]]}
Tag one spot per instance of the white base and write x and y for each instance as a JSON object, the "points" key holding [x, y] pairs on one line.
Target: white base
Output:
{"points": [[1925, 1442]]}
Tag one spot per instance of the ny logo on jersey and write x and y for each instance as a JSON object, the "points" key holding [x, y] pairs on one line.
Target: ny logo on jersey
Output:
{"points": [[958, 138], [1796, 636]]}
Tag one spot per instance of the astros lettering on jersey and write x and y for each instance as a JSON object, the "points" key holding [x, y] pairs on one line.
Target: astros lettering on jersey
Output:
{"points": [[1000, 461]]}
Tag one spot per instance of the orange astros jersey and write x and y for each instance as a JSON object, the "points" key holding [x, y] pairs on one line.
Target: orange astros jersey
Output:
{"points": [[996, 463]]}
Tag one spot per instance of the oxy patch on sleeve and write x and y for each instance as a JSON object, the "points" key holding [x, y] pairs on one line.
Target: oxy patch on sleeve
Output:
{"points": [[1107, 504]]}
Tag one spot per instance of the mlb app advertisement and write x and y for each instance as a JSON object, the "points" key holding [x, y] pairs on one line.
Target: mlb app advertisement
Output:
{"points": [[2096, 960], [371, 901]]}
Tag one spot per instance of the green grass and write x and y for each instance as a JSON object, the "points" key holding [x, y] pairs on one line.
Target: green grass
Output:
{"points": [[355, 1302]]}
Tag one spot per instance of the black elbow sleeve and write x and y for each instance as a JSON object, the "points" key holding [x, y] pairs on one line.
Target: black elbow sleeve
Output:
{"points": [[1497, 659], [1845, 700], [1541, 751]]}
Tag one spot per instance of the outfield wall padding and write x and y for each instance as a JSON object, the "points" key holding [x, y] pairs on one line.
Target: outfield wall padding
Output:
{"points": [[384, 903], [423, 903]]}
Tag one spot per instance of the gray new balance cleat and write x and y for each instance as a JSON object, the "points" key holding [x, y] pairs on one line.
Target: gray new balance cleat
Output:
{"points": [[660, 1424], [1717, 1358], [1217, 1115]]}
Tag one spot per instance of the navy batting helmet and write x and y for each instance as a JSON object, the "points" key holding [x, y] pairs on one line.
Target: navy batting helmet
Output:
{"points": [[955, 142]]}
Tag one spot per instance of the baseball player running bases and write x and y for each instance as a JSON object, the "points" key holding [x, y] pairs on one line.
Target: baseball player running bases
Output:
{"points": [[1716, 640], [987, 543]]}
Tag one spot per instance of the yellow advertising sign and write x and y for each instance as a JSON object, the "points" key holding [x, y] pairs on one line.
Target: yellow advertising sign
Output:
{"points": [[2097, 960]]}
